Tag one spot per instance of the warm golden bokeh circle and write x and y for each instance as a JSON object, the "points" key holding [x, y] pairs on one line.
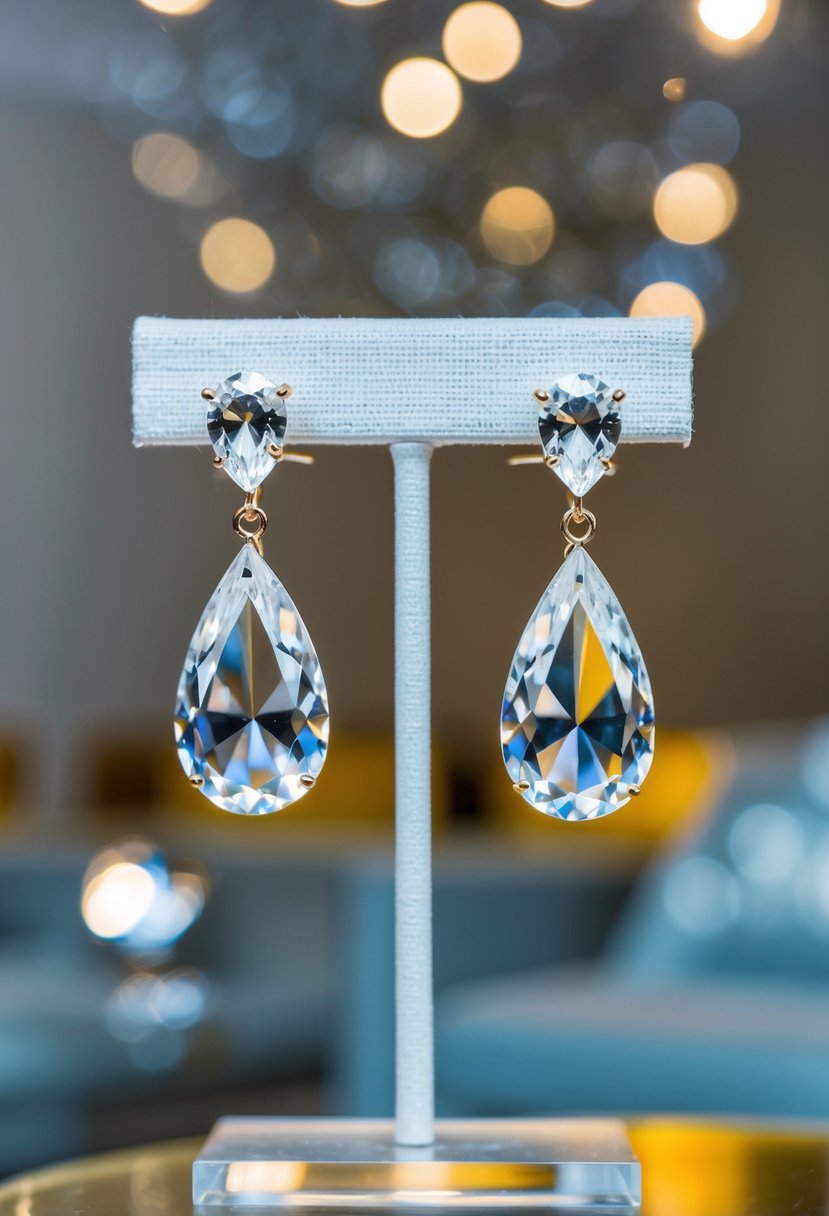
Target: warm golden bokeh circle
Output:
{"points": [[732, 19], [176, 8], [421, 97], [482, 41], [674, 89], [667, 299], [165, 164], [237, 255], [517, 225], [695, 204], [732, 27]]}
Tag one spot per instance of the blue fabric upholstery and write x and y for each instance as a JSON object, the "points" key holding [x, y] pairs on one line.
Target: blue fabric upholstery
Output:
{"points": [[558, 1041], [496, 912], [713, 992]]}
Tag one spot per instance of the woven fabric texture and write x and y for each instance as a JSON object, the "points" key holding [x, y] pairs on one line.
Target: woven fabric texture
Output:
{"points": [[384, 381]]}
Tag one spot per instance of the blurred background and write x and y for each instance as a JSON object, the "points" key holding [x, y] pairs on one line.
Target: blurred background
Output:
{"points": [[161, 963]]}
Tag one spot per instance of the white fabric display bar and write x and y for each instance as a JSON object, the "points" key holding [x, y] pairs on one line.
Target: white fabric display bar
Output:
{"points": [[411, 385], [434, 381]]}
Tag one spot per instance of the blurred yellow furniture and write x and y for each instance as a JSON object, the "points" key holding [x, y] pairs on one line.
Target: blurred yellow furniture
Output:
{"points": [[12, 766], [355, 791], [689, 1169]]}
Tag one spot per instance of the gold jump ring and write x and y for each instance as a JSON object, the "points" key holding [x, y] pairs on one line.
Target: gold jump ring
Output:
{"points": [[250, 522], [579, 515]]}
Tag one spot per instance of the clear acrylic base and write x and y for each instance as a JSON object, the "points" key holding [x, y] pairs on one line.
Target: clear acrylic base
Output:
{"points": [[476, 1164]]}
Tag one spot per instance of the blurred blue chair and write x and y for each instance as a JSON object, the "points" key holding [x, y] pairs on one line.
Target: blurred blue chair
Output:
{"points": [[711, 996], [497, 910]]}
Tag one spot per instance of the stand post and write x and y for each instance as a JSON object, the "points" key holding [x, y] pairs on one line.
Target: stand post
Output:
{"points": [[415, 1070]]}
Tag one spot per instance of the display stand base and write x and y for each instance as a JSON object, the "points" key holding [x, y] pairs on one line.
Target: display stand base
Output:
{"points": [[476, 1164]]}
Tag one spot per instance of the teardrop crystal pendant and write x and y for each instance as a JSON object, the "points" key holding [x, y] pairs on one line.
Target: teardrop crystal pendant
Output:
{"points": [[577, 721], [246, 423], [252, 709], [580, 423]]}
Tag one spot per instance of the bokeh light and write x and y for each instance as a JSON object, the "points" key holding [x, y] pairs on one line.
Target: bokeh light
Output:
{"points": [[704, 131], [148, 68], [176, 8], [622, 176], [130, 898], [767, 844], [237, 255], [517, 225], [695, 204], [415, 273], [382, 221], [421, 97], [116, 899], [482, 41], [734, 26], [732, 19], [701, 896], [674, 89], [668, 299], [348, 166], [164, 164], [154, 1014]]}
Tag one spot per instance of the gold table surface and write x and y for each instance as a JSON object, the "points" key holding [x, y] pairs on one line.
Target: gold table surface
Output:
{"points": [[689, 1168]]}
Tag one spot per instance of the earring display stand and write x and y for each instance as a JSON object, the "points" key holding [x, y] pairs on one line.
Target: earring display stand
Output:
{"points": [[412, 385]]}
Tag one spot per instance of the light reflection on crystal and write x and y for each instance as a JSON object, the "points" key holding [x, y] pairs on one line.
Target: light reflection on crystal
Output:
{"points": [[252, 709], [577, 720]]}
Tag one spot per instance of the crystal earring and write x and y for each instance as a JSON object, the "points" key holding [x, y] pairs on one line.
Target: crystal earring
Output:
{"points": [[577, 720], [251, 720]]}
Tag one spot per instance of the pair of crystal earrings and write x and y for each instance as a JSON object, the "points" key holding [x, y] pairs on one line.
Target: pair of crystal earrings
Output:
{"points": [[252, 708]]}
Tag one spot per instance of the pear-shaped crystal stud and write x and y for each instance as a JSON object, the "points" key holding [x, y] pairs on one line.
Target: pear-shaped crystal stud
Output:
{"points": [[251, 719], [577, 721], [246, 421], [579, 422]]}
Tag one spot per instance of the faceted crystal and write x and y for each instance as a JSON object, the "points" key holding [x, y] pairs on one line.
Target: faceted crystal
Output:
{"points": [[579, 427], [245, 418], [252, 710], [577, 720]]}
